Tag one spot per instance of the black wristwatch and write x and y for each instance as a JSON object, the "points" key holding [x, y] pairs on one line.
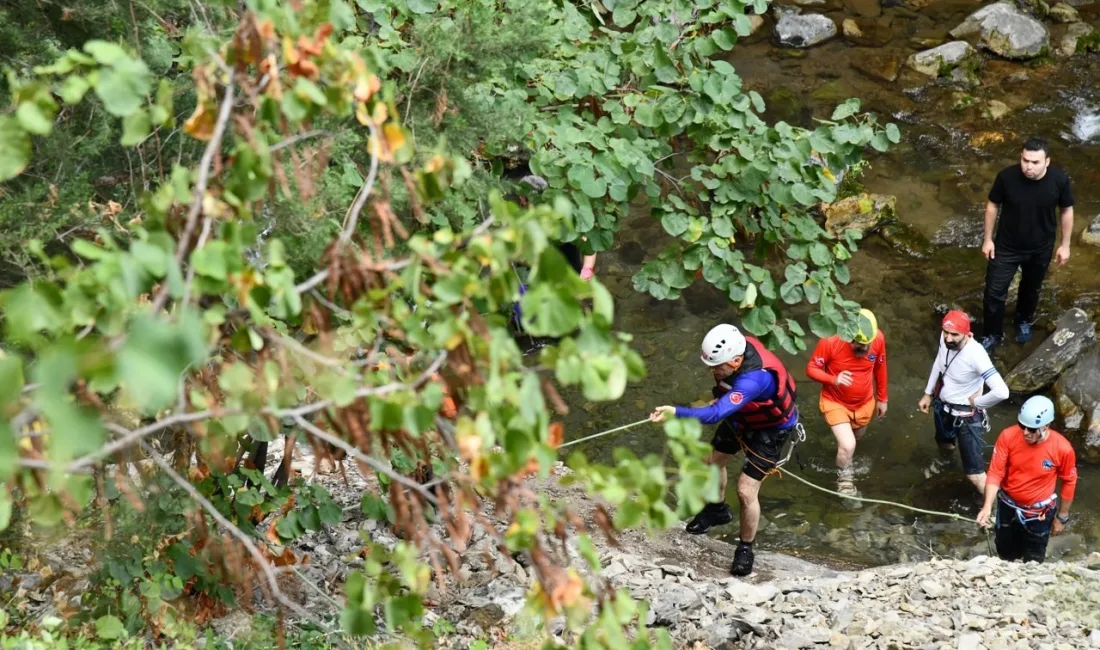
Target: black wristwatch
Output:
{"points": [[1064, 520]]}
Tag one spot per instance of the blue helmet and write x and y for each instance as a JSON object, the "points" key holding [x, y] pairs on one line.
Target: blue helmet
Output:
{"points": [[1037, 412]]}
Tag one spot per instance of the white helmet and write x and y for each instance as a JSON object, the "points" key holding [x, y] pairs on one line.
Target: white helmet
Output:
{"points": [[722, 344]]}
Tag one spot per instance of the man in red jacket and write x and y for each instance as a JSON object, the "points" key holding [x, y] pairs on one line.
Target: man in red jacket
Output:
{"points": [[853, 378], [1027, 462]]}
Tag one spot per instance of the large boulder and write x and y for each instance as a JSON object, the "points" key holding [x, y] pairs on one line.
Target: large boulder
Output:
{"points": [[1073, 334], [1006, 31], [863, 212], [1077, 395], [804, 30], [942, 59], [882, 66]]}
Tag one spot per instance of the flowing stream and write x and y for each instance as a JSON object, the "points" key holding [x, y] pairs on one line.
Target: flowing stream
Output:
{"points": [[940, 174]]}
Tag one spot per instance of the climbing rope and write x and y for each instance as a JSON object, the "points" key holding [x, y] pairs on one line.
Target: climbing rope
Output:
{"points": [[602, 433], [800, 436]]}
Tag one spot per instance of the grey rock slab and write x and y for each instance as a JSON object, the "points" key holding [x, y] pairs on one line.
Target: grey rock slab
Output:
{"points": [[804, 30], [931, 62], [1074, 333]]}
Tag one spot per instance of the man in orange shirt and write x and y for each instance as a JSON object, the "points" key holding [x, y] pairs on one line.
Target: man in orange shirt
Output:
{"points": [[853, 378], [1028, 460]]}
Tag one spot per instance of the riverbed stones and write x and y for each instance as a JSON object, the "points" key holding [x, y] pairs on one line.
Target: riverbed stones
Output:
{"points": [[1077, 396], [877, 65], [863, 213], [1074, 333], [942, 59], [1091, 235], [804, 30], [1079, 38], [864, 8], [868, 32], [1063, 13], [995, 109], [1006, 31]]}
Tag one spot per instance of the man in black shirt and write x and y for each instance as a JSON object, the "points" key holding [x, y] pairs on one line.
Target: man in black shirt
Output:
{"points": [[1029, 197]]}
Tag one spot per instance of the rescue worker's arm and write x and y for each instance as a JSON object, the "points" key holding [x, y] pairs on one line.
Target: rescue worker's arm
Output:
{"points": [[933, 377], [1062, 254], [998, 389], [1067, 472], [819, 360], [991, 210], [881, 392], [746, 388], [997, 467]]}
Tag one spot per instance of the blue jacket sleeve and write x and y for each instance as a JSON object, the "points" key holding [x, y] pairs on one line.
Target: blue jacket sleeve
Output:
{"points": [[746, 388]]}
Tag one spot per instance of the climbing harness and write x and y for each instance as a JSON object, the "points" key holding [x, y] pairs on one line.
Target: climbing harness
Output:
{"points": [[1038, 511]]}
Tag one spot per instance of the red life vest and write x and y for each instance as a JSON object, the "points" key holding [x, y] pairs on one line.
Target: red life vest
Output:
{"points": [[765, 413]]}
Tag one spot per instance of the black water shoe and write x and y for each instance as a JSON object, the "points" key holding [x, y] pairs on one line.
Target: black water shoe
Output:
{"points": [[742, 561], [713, 514]]}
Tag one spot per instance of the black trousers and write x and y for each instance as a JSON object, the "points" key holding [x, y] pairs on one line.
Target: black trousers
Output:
{"points": [[998, 276], [1019, 541]]}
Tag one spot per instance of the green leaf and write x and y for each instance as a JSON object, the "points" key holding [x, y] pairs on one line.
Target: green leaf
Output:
{"points": [[820, 255], [790, 293], [880, 142], [757, 101], [749, 301], [843, 276], [675, 223], [802, 193], [155, 354], [422, 6], [821, 325], [33, 118], [813, 291], [759, 321], [722, 226], [11, 379], [846, 110], [135, 128], [648, 115], [109, 627], [210, 260], [123, 87], [306, 89], [15, 148], [73, 89], [105, 53], [724, 38], [893, 133]]}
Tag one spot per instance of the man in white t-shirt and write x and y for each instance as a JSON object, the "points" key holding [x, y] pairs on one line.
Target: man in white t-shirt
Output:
{"points": [[955, 394]]}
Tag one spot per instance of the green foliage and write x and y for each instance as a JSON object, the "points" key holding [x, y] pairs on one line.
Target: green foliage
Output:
{"points": [[315, 210]]}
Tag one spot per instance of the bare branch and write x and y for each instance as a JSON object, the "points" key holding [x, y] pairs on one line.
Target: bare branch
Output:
{"points": [[200, 184], [242, 537], [300, 137], [364, 191]]}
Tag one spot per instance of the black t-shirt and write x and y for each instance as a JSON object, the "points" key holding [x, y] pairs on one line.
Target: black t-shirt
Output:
{"points": [[1029, 209]]}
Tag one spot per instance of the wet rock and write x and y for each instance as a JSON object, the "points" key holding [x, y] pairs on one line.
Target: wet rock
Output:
{"points": [[942, 59], [907, 240], [1063, 13], [1074, 333], [1079, 38], [1006, 31], [803, 31], [880, 66], [1077, 396], [1091, 235], [995, 110], [868, 32], [863, 212]]}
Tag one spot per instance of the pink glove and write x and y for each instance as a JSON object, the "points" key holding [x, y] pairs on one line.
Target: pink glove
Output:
{"points": [[586, 274]]}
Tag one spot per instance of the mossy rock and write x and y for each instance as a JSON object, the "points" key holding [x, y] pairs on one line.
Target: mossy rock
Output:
{"points": [[908, 240]]}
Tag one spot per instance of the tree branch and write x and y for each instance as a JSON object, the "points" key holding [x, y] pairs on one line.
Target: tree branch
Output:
{"points": [[200, 184], [242, 537], [300, 137]]}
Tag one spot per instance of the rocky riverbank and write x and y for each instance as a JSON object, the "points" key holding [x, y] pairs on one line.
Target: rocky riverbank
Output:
{"points": [[786, 603]]}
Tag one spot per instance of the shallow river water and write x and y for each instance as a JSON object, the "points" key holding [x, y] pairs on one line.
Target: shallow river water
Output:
{"points": [[940, 174]]}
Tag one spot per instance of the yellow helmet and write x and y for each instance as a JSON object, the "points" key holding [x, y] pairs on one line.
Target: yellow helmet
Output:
{"points": [[866, 327]]}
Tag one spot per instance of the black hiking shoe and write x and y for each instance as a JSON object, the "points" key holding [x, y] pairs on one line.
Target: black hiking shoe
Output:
{"points": [[712, 514], [742, 561]]}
